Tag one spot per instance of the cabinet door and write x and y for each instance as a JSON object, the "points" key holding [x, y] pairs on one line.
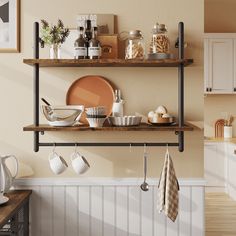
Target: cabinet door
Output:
{"points": [[219, 66], [214, 164], [231, 170]]}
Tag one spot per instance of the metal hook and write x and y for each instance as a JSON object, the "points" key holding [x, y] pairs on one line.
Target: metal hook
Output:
{"points": [[167, 148], [76, 147], [130, 147], [54, 147], [145, 148]]}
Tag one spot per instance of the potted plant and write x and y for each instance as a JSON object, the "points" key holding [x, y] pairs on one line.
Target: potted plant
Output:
{"points": [[53, 36]]}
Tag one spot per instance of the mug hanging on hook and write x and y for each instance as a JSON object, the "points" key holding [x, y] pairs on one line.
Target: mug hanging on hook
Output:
{"points": [[57, 162], [79, 162]]}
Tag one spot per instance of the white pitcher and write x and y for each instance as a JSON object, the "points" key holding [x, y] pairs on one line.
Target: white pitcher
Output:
{"points": [[6, 178]]}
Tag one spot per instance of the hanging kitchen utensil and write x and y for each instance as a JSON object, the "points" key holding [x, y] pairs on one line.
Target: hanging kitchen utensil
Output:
{"points": [[144, 186]]}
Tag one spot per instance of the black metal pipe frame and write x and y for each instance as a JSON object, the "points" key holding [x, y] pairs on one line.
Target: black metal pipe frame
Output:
{"points": [[36, 86], [109, 144], [180, 134], [181, 87]]}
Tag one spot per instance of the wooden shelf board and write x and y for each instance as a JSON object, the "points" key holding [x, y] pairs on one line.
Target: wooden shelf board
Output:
{"points": [[142, 127], [107, 62]]}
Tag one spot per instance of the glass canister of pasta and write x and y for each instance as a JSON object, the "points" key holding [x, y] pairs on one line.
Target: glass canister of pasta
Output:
{"points": [[160, 42], [135, 46]]}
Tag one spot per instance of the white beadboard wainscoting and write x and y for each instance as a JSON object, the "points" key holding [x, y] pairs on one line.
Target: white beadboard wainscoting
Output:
{"points": [[110, 207]]}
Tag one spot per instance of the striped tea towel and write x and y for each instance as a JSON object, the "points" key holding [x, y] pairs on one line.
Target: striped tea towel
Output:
{"points": [[168, 189]]}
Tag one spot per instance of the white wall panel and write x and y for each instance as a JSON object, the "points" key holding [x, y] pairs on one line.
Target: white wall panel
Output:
{"points": [[110, 208]]}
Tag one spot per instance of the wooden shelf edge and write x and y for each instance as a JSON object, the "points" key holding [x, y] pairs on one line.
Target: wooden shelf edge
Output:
{"points": [[107, 62], [142, 127]]}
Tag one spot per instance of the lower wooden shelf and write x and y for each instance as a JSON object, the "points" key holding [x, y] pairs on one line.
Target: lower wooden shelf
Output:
{"points": [[142, 127]]}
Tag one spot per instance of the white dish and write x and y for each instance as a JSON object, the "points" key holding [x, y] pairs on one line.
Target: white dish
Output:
{"points": [[61, 123], [125, 120], [3, 200]]}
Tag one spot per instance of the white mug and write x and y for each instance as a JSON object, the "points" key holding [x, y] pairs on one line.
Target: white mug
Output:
{"points": [[57, 163], [79, 163]]}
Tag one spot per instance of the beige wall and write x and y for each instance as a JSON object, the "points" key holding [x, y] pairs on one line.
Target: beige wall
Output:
{"points": [[220, 16], [143, 89]]}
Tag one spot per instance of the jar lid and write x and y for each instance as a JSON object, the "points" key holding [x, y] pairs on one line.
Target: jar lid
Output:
{"points": [[162, 28], [135, 33]]}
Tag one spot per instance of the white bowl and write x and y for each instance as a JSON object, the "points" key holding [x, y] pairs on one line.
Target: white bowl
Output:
{"points": [[96, 110], [62, 115], [96, 122]]}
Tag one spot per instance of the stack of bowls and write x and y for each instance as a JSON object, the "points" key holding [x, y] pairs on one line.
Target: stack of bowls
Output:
{"points": [[96, 116]]}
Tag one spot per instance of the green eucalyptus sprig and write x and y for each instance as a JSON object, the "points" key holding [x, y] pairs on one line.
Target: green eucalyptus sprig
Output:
{"points": [[54, 34]]}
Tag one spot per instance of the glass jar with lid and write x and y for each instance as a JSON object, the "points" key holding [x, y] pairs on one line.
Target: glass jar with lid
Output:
{"points": [[135, 47], [160, 42]]}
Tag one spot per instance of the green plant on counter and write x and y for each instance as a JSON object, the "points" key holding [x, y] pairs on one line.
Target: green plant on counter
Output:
{"points": [[54, 34]]}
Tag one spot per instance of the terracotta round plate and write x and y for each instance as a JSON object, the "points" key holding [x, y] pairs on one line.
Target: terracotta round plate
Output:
{"points": [[91, 91]]}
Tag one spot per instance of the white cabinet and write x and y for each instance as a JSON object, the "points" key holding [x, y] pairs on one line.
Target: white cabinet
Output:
{"points": [[220, 167], [219, 63], [215, 164]]}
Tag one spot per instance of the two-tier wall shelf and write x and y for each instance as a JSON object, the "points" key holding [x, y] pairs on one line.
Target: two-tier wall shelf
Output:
{"points": [[178, 129]]}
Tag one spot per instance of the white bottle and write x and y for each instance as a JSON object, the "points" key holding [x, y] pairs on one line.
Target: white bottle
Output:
{"points": [[118, 105]]}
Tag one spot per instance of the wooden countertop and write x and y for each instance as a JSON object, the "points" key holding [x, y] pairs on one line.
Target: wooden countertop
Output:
{"points": [[220, 140], [17, 198]]}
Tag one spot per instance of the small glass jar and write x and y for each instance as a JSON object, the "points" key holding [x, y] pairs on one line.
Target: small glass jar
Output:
{"points": [[135, 47], [160, 42]]}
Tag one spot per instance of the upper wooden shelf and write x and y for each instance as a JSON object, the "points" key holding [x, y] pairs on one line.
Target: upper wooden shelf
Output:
{"points": [[107, 62], [142, 127]]}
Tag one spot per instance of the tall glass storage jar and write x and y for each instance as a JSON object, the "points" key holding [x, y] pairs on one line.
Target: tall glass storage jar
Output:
{"points": [[135, 47], [160, 42]]}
